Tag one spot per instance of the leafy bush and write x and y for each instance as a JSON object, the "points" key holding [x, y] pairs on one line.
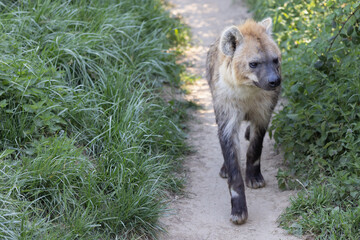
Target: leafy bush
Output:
{"points": [[87, 146], [319, 127]]}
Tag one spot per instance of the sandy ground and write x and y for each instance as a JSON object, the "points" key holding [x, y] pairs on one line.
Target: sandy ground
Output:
{"points": [[205, 210]]}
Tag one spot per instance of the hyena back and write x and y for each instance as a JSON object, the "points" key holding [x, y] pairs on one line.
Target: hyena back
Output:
{"points": [[243, 72]]}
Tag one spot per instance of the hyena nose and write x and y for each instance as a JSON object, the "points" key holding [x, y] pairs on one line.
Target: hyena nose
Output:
{"points": [[274, 81]]}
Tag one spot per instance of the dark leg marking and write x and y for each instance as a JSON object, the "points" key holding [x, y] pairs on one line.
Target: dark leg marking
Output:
{"points": [[247, 133], [254, 179], [239, 211]]}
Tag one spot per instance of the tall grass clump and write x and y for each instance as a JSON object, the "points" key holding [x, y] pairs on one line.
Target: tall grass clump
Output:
{"points": [[87, 145], [319, 128]]}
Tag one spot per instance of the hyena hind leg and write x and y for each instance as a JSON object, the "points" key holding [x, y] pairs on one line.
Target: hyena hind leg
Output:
{"points": [[223, 171]]}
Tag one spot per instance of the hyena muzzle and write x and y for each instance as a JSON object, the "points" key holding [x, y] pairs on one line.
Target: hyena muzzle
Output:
{"points": [[243, 72]]}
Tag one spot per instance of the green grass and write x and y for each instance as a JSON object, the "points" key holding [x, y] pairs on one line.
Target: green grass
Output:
{"points": [[87, 146], [319, 129]]}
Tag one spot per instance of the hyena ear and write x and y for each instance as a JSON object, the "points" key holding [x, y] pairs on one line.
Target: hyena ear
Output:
{"points": [[229, 40], [267, 24]]}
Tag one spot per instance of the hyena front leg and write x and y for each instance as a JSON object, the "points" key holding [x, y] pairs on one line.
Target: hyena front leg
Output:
{"points": [[254, 179], [229, 149]]}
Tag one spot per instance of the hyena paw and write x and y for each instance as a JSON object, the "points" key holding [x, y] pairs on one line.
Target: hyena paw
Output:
{"points": [[239, 218], [223, 172], [239, 213], [255, 181]]}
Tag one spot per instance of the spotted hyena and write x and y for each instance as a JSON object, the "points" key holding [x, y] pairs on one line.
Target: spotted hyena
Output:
{"points": [[243, 72]]}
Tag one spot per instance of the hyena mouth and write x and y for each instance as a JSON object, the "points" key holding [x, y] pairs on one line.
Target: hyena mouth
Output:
{"points": [[265, 86]]}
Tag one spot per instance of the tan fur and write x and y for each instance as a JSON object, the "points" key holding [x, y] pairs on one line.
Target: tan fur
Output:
{"points": [[232, 78], [243, 72]]}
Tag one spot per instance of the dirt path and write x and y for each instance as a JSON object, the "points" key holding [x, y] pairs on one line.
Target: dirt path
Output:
{"points": [[204, 213]]}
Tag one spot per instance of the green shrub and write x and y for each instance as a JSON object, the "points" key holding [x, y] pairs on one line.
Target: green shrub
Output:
{"points": [[319, 127], [87, 145]]}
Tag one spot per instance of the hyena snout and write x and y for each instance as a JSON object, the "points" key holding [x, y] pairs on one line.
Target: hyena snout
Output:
{"points": [[270, 82], [274, 81], [269, 77]]}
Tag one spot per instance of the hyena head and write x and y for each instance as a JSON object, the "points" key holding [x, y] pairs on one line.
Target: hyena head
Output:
{"points": [[252, 54]]}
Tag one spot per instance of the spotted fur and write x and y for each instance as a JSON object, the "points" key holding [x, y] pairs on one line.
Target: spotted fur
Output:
{"points": [[243, 72]]}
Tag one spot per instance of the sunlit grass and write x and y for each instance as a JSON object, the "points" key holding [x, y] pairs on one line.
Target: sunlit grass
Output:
{"points": [[88, 147]]}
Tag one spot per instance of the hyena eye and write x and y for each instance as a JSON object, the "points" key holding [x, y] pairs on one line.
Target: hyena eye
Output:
{"points": [[276, 60], [253, 64]]}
